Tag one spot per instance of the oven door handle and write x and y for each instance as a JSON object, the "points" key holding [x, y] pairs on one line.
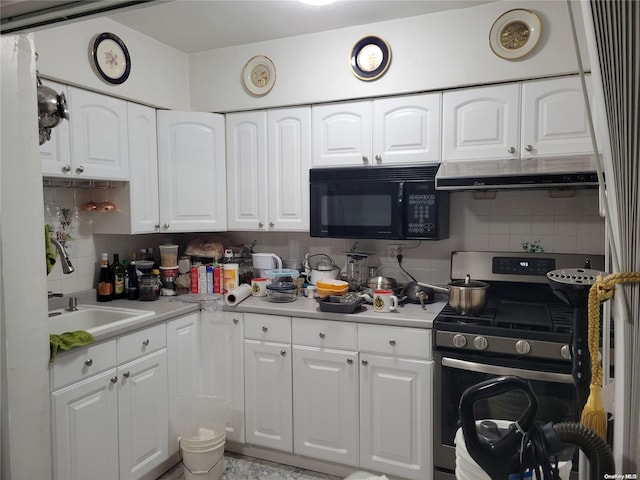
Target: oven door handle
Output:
{"points": [[499, 370]]}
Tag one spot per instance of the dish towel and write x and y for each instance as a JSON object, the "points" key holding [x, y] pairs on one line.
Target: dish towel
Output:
{"points": [[50, 252], [67, 341]]}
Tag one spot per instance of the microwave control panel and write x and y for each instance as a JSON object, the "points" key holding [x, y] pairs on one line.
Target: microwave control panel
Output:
{"points": [[426, 211], [419, 214]]}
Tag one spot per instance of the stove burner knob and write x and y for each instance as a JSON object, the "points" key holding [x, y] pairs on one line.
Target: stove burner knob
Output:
{"points": [[459, 340], [480, 343], [523, 347], [565, 352]]}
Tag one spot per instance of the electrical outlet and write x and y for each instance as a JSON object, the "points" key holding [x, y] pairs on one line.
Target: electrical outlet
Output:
{"points": [[393, 251]]}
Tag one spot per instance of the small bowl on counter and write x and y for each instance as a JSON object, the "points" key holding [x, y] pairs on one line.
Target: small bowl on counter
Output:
{"points": [[329, 287]]}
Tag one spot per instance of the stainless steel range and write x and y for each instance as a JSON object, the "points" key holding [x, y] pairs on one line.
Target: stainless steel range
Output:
{"points": [[524, 330]]}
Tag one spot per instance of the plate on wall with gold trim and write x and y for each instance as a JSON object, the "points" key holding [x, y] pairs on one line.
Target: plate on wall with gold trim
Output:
{"points": [[259, 75], [370, 58], [515, 33]]}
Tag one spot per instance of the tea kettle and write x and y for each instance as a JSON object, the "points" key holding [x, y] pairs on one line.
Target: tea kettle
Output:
{"points": [[52, 109], [323, 269]]}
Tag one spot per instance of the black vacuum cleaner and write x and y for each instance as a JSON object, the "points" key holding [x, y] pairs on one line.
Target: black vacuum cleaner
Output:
{"points": [[506, 454]]}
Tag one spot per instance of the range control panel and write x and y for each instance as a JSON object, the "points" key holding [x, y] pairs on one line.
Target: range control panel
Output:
{"points": [[523, 266]]}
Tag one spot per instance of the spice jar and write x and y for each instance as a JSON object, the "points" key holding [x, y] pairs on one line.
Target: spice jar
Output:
{"points": [[150, 284]]}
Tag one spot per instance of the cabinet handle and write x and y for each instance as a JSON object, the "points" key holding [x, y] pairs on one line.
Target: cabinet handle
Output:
{"points": [[511, 150], [88, 362], [321, 335], [80, 169], [114, 379], [66, 168], [165, 226], [350, 361], [235, 321], [365, 362], [260, 224], [126, 374], [156, 226], [271, 224], [392, 342], [146, 342], [378, 159], [264, 328], [529, 148], [365, 159], [283, 352]]}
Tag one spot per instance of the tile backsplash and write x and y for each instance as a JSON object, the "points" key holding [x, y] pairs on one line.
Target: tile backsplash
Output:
{"points": [[558, 225]]}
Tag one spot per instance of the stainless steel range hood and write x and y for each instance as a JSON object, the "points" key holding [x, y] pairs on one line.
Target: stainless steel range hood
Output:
{"points": [[576, 171]]}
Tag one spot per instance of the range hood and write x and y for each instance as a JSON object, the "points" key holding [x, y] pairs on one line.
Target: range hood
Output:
{"points": [[575, 171]]}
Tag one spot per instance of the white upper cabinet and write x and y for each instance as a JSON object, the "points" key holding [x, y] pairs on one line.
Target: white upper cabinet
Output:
{"points": [[481, 122], [554, 117], [55, 154], [99, 136], [379, 132], [516, 120], [191, 171], [268, 160]]}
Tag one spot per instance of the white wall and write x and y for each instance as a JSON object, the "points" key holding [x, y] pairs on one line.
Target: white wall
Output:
{"points": [[159, 74], [429, 52]]}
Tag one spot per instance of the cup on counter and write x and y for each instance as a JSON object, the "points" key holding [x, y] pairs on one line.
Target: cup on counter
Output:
{"points": [[259, 287], [384, 301]]}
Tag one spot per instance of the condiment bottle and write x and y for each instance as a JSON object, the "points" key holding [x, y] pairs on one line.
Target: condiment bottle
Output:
{"points": [[133, 293], [117, 276], [105, 286]]}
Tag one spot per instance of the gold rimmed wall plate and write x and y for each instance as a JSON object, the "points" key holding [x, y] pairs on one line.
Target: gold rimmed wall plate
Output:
{"points": [[515, 34], [259, 75], [370, 58], [111, 58]]}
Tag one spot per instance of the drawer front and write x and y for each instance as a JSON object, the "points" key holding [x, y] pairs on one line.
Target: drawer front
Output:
{"points": [[269, 328], [404, 341], [324, 333], [82, 363], [141, 342]]}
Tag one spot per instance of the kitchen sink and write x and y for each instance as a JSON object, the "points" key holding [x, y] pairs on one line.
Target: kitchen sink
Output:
{"points": [[94, 319]]}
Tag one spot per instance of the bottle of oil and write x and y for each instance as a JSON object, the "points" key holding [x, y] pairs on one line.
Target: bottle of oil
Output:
{"points": [[105, 285], [117, 276]]}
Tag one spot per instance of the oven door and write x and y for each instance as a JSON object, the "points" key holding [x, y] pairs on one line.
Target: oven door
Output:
{"points": [[456, 371], [352, 209]]}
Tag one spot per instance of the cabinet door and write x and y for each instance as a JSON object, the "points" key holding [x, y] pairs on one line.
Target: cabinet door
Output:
{"points": [[396, 416], [191, 171], [325, 404], [143, 414], [554, 118], [342, 134], [289, 134], [183, 362], [143, 185], [407, 129], [55, 154], [99, 135], [268, 403], [247, 171], [223, 365], [481, 123], [85, 429]]}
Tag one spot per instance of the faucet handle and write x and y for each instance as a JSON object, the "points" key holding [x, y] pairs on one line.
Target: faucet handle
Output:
{"points": [[73, 304], [50, 294]]}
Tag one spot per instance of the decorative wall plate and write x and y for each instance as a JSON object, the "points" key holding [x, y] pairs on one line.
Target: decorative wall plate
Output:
{"points": [[370, 58], [111, 58], [259, 75], [514, 34]]}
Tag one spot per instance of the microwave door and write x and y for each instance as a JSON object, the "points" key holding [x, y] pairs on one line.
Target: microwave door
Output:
{"points": [[356, 210]]}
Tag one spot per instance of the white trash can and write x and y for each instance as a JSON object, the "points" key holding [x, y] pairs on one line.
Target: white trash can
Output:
{"points": [[203, 436]]}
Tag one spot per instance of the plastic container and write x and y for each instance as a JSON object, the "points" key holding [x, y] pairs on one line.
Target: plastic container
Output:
{"points": [[281, 292], [168, 276], [168, 255]]}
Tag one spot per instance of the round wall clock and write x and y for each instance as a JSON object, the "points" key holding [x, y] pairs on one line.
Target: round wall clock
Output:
{"points": [[111, 58], [259, 75], [370, 58], [514, 34]]}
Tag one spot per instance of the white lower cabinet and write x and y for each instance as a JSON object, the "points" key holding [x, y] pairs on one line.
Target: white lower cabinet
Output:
{"points": [[268, 382], [110, 408]]}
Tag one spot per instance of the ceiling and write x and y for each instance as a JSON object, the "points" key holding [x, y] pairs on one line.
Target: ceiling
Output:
{"points": [[197, 25]]}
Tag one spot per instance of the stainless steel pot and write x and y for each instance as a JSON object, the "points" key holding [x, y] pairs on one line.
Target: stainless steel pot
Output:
{"points": [[465, 296]]}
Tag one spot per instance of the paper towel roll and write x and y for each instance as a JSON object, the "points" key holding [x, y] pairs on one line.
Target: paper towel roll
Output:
{"points": [[237, 295]]}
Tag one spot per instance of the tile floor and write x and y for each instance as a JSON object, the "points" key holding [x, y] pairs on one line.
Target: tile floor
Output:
{"points": [[239, 467]]}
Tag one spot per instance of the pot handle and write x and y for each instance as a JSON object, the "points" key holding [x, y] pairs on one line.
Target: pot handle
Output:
{"points": [[434, 288]]}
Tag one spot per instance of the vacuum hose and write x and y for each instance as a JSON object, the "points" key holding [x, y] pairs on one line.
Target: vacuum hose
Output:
{"points": [[592, 444]]}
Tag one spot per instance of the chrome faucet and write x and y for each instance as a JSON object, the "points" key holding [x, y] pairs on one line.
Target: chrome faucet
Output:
{"points": [[67, 267]]}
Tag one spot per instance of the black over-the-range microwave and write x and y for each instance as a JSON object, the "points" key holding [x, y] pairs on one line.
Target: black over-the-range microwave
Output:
{"points": [[396, 202]]}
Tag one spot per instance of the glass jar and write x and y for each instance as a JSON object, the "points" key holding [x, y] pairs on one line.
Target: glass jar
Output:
{"points": [[150, 285]]}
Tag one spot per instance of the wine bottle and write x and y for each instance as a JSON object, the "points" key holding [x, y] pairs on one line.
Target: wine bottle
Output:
{"points": [[105, 285], [117, 276]]}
